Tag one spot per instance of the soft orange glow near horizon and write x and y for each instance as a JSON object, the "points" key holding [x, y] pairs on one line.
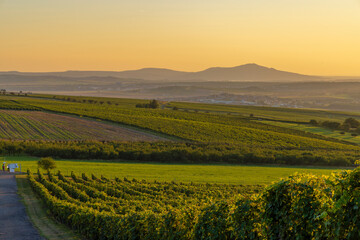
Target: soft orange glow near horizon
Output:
{"points": [[311, 37]]}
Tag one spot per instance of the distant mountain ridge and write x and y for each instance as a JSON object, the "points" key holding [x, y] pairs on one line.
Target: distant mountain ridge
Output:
{"points": [[250, 72], [247, 72]]}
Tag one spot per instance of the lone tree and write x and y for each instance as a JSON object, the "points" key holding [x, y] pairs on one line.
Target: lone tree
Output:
{"points": [[154, 104], [314, 122], [46, 163]]}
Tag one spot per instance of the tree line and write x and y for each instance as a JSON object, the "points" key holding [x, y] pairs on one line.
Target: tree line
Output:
{"points": [[177, 152], [154, 104]]}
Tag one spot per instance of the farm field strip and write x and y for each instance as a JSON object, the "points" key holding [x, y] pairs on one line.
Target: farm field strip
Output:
{"points": [[36, 125], [14, 105], [276, 113]]}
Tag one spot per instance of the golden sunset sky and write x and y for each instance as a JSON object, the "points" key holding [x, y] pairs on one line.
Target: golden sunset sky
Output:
{"points": [[319, 37]]}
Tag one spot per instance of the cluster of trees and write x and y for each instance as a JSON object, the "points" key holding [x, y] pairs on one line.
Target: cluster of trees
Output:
{"points": [[20, 93], [349, 125], [152, 104], [90, 101]]}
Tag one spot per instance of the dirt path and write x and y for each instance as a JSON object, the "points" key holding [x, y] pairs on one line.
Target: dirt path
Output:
{"points": [[37, 213], [14, 223]]}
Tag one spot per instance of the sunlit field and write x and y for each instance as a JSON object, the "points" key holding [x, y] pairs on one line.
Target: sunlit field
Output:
{"points": [[230, 174]]}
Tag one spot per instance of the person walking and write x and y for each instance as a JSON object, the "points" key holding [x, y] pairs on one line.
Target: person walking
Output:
{"points": [[3, 167]]}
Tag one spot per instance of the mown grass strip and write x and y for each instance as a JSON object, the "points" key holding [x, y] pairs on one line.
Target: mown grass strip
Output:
{"points": [[37, 213]]}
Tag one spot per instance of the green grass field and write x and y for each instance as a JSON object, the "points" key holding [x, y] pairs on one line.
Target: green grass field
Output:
{"points": [[317, 130], [229, 174]]}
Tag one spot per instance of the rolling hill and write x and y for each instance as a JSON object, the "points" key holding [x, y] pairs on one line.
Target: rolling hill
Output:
{"points": [[201, 135], [247, 72]]}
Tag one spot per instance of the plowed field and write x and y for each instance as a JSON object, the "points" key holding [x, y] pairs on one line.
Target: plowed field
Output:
{"points": [[36, 125]]}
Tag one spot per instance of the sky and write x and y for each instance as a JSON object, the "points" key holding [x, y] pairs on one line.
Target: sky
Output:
{"points": [[320, 37]]}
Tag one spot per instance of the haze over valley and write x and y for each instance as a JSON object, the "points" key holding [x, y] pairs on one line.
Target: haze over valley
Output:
{"points": [[248, 84]]}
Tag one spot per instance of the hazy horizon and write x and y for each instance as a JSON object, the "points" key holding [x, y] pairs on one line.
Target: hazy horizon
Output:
{"points": [[308, 37], [171, 69]]}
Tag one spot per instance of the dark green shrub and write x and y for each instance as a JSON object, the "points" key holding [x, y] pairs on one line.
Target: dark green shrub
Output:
{"points": [[46, 163]]}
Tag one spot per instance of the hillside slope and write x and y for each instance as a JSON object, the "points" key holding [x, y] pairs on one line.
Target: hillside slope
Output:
{"points": [[203, 137], [247, 72]]}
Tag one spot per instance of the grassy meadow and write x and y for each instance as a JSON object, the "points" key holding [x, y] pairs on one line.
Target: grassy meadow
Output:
{"points": [[317, 130], [209, 173]]}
